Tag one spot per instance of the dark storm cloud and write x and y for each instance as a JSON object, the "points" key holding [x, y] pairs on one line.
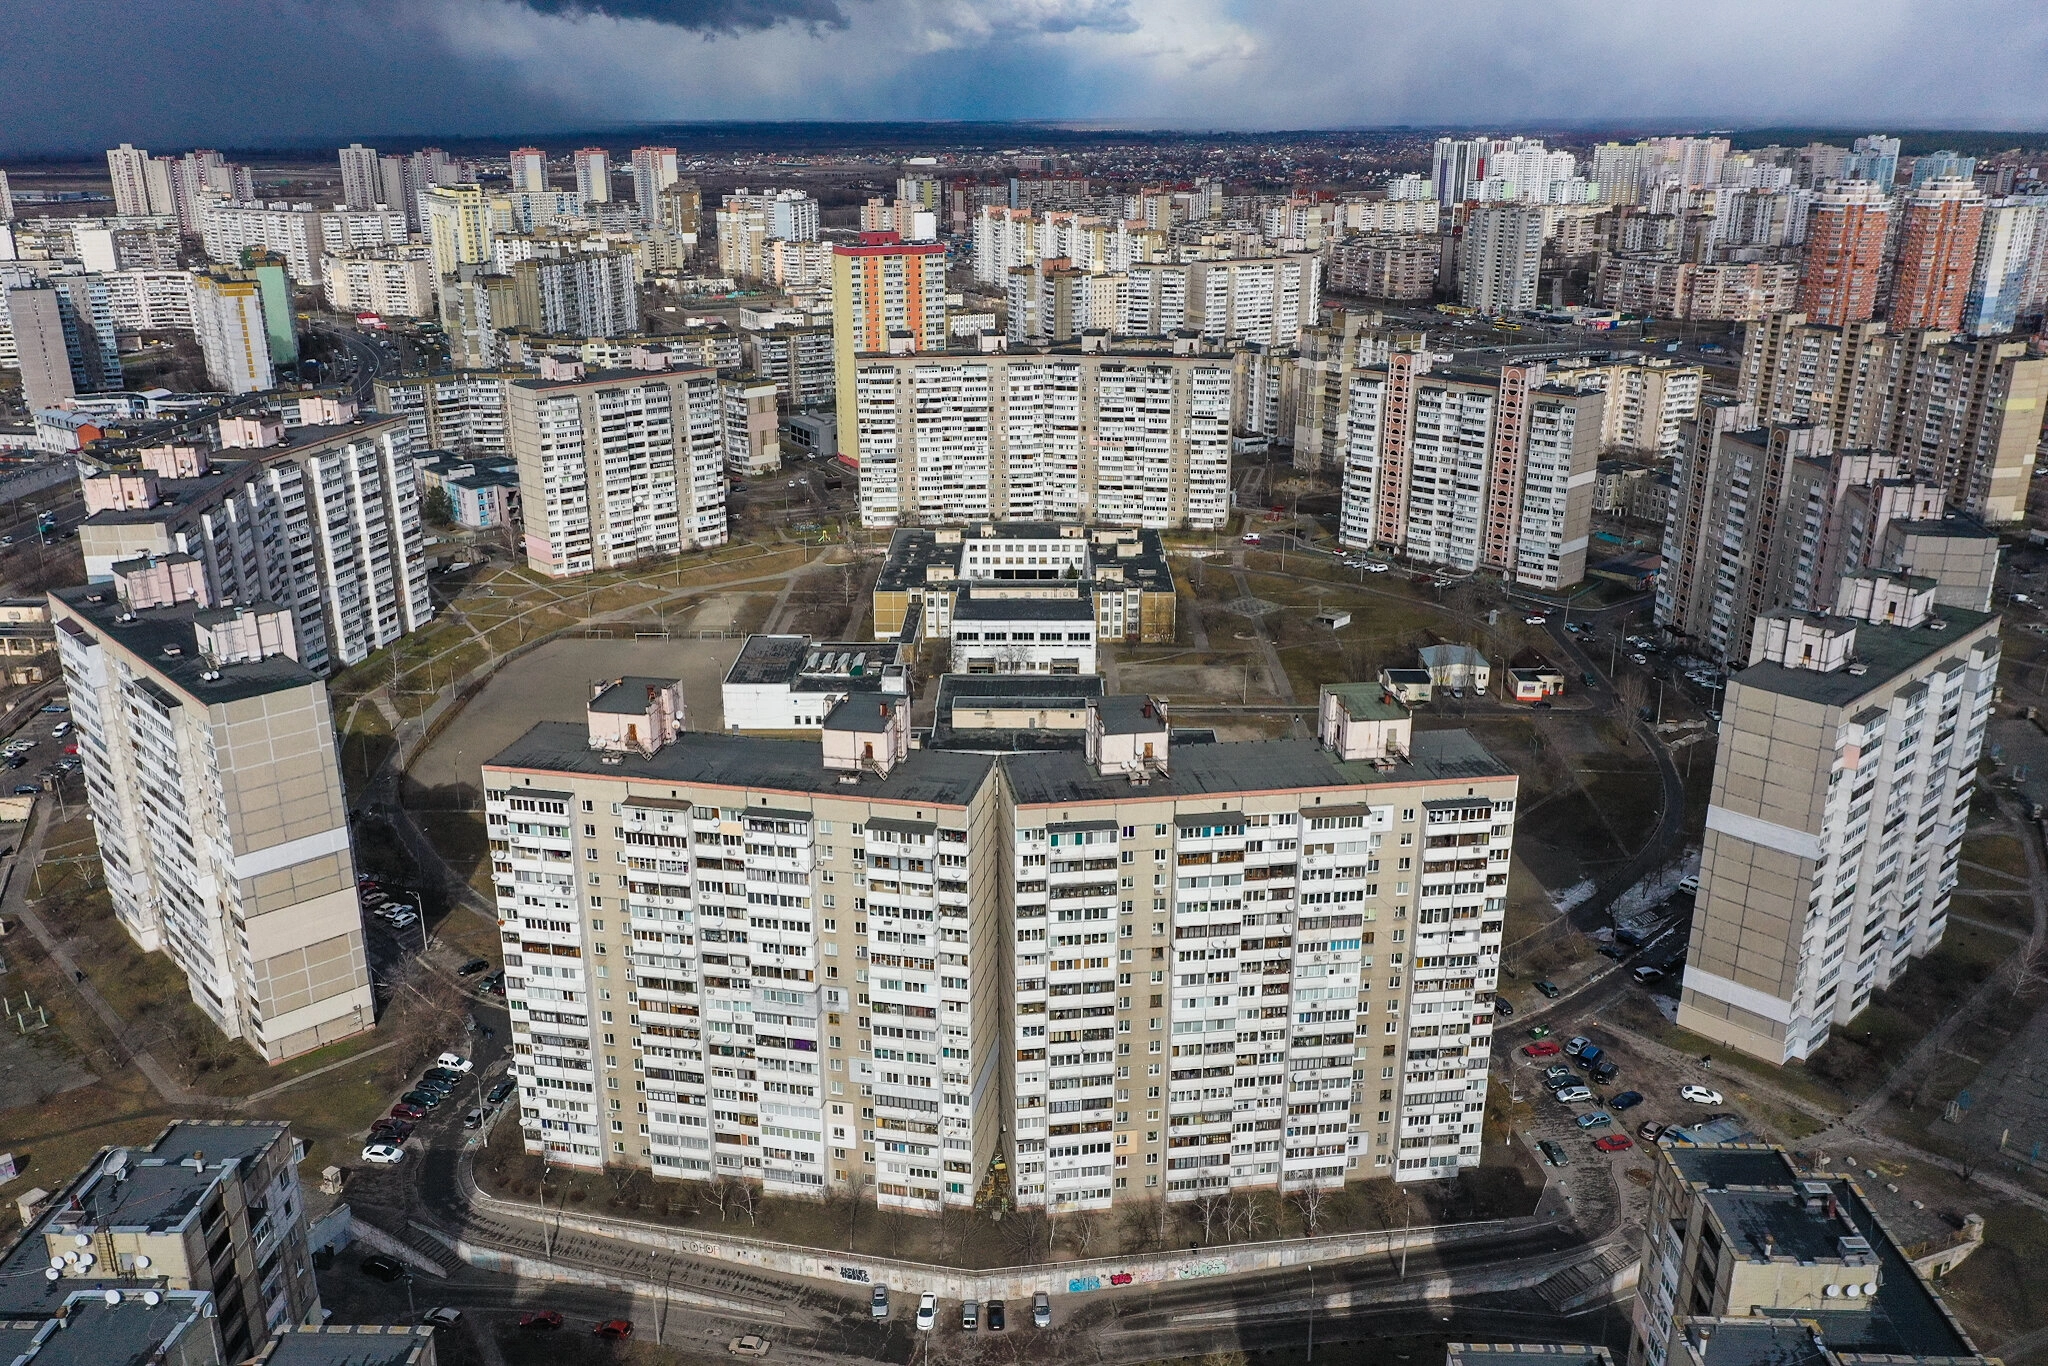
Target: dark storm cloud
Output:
{"points": [[708, 16]]}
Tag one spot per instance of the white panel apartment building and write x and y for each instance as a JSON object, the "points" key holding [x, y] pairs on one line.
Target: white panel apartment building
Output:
{"points": [[1472, 469], [461, 411], [832, 964], [297, 232], [618, 465], [328, 526], [1122, 439], [1263, 299]]}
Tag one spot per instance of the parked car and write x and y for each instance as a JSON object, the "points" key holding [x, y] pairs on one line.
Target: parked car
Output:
{"points": [[378, 1267], [444, 1317], [1572, 1095], [440, 1076], [402, 920], [1605, 1070], [748, 1345], [454, 1062], [1614, 1143], [473, 967], [996, 1321], [1539, 1031], [425, 1099], [389, 1130], [497, 1094], [1041, 1309], [1534, 620], [405, 1109], [1649, 1130], [614, 1330], [384, 1154], [1647, 974], [1559, 1075], [1627, 1100], [1550, 989], [1552, 1153], [1615, 951], [878, 1303], [1594, 1119], [540, 1320], [1542, 1049], [927, 1312], [970, 1315], [1700, 1095], [1629, 936], [1503, 1007], [1576, 1045], [1251, 538], [473, 1120], [1690, 886]]}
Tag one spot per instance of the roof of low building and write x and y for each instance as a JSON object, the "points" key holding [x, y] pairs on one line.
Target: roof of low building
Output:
{"points": [[1368, 701], [628, 696], [369, 1344], [974, 607]]}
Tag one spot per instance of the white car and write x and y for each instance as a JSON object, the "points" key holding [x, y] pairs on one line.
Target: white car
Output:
{"points": [[454, 1062], [1639, 659], [1534, 621], [402, 919], [927, 1311], [443, 1317], [1251, 538], [1377, 567], [1700, 1095], [384, 1154]]}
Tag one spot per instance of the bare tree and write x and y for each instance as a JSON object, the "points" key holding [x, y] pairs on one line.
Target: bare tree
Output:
{"points": [[745, 1199], [1633, 692], [721, 1195], [2026, 971], [1081, 1231], [1140, 1226], [1210, 1208], [1311, 1203], [1387, 1200]]}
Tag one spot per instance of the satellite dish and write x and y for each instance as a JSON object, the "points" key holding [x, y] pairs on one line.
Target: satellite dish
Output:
{"points": [[56, 1263], [86, 1259], [113, 1297], [51, 1273], [83, 1240], [151, 1298], [141, 1261], [71, 1259]]}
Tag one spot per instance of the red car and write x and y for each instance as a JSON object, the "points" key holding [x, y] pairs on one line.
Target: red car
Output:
{"points": [[615, 1329], [389, 1130], [1542, 1048], [1614, 1143], [408, 1112], [540, 1320]]}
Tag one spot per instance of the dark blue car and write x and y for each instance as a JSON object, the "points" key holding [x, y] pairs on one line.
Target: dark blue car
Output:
{"points": [[1625, 1100]]}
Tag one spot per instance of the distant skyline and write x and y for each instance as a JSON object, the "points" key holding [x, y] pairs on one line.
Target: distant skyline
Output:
{"points": [[77, 75]]}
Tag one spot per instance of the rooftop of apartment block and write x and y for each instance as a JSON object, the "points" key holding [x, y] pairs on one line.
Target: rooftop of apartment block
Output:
{"points": [[950, 777], [372, 1344], [154, 1188], [1524, 1354], [622, 375], [1139, 555], [93, 1332], [1884, 652], [166, 639], [1755, 1193], [1759, 1342], [807, 665]]}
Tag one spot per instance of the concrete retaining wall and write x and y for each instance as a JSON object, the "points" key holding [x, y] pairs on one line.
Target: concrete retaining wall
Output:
{"points": [[1077, 1277]]}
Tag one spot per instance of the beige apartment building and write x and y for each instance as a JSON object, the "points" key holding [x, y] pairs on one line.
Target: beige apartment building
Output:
{"points": [[215, 792], [1126, 967], [1849, 747]]}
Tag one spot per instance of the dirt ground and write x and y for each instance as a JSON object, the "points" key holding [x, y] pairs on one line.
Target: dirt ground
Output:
{"points": [[552, 683]]}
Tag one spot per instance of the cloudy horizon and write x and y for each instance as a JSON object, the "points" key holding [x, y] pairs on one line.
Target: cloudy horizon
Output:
{"points": [[300, 73]]}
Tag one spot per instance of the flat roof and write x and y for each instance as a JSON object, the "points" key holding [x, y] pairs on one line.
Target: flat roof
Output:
{"points": [[1762, 1342], [766, 659], [366, 1344], [1524, 1354], [746, 762], [1368, 701], [1137, 554], [1130, 714], [621, 375], [972, 607], [1885, 651], [157, 629], [130, 1333], [628, 696]]}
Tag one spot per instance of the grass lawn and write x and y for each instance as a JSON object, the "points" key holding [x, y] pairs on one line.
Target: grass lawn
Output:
{"points": [[2002, 852], [2014, 912], [1638, 1014], [2000, 1293]]}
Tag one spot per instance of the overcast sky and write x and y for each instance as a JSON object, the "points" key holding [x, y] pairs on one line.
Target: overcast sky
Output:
{"points": [[83, 74]]}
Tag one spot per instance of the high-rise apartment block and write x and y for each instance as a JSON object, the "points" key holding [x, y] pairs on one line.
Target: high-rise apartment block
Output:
{"points": [[1499, 258], [593, 175], [362, 182], [1964, 414], [463, 410], [128, 166], [1124, 438], [654, 170], [528, 167], [215, 790], [1874, 158], [1845, 242], [62, 330], [328, 527], [2010, 277], [579, 294], [458, 225], [227, 313], [617, 465], [1750, 1258], [1849, 749], [747, 222], [1473, 469], [1774, 515], [190, 1249], [856, 963], [1941, 222]]}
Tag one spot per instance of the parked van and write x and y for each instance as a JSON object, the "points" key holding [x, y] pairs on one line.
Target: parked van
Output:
{"points": [[970, 1316]]}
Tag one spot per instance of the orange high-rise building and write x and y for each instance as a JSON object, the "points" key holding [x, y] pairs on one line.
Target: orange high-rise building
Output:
{"points": [[1937, 253], [1844, 253]]}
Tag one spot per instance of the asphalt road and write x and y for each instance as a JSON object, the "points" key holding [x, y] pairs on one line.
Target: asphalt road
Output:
{"points": [[366, 360]]}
